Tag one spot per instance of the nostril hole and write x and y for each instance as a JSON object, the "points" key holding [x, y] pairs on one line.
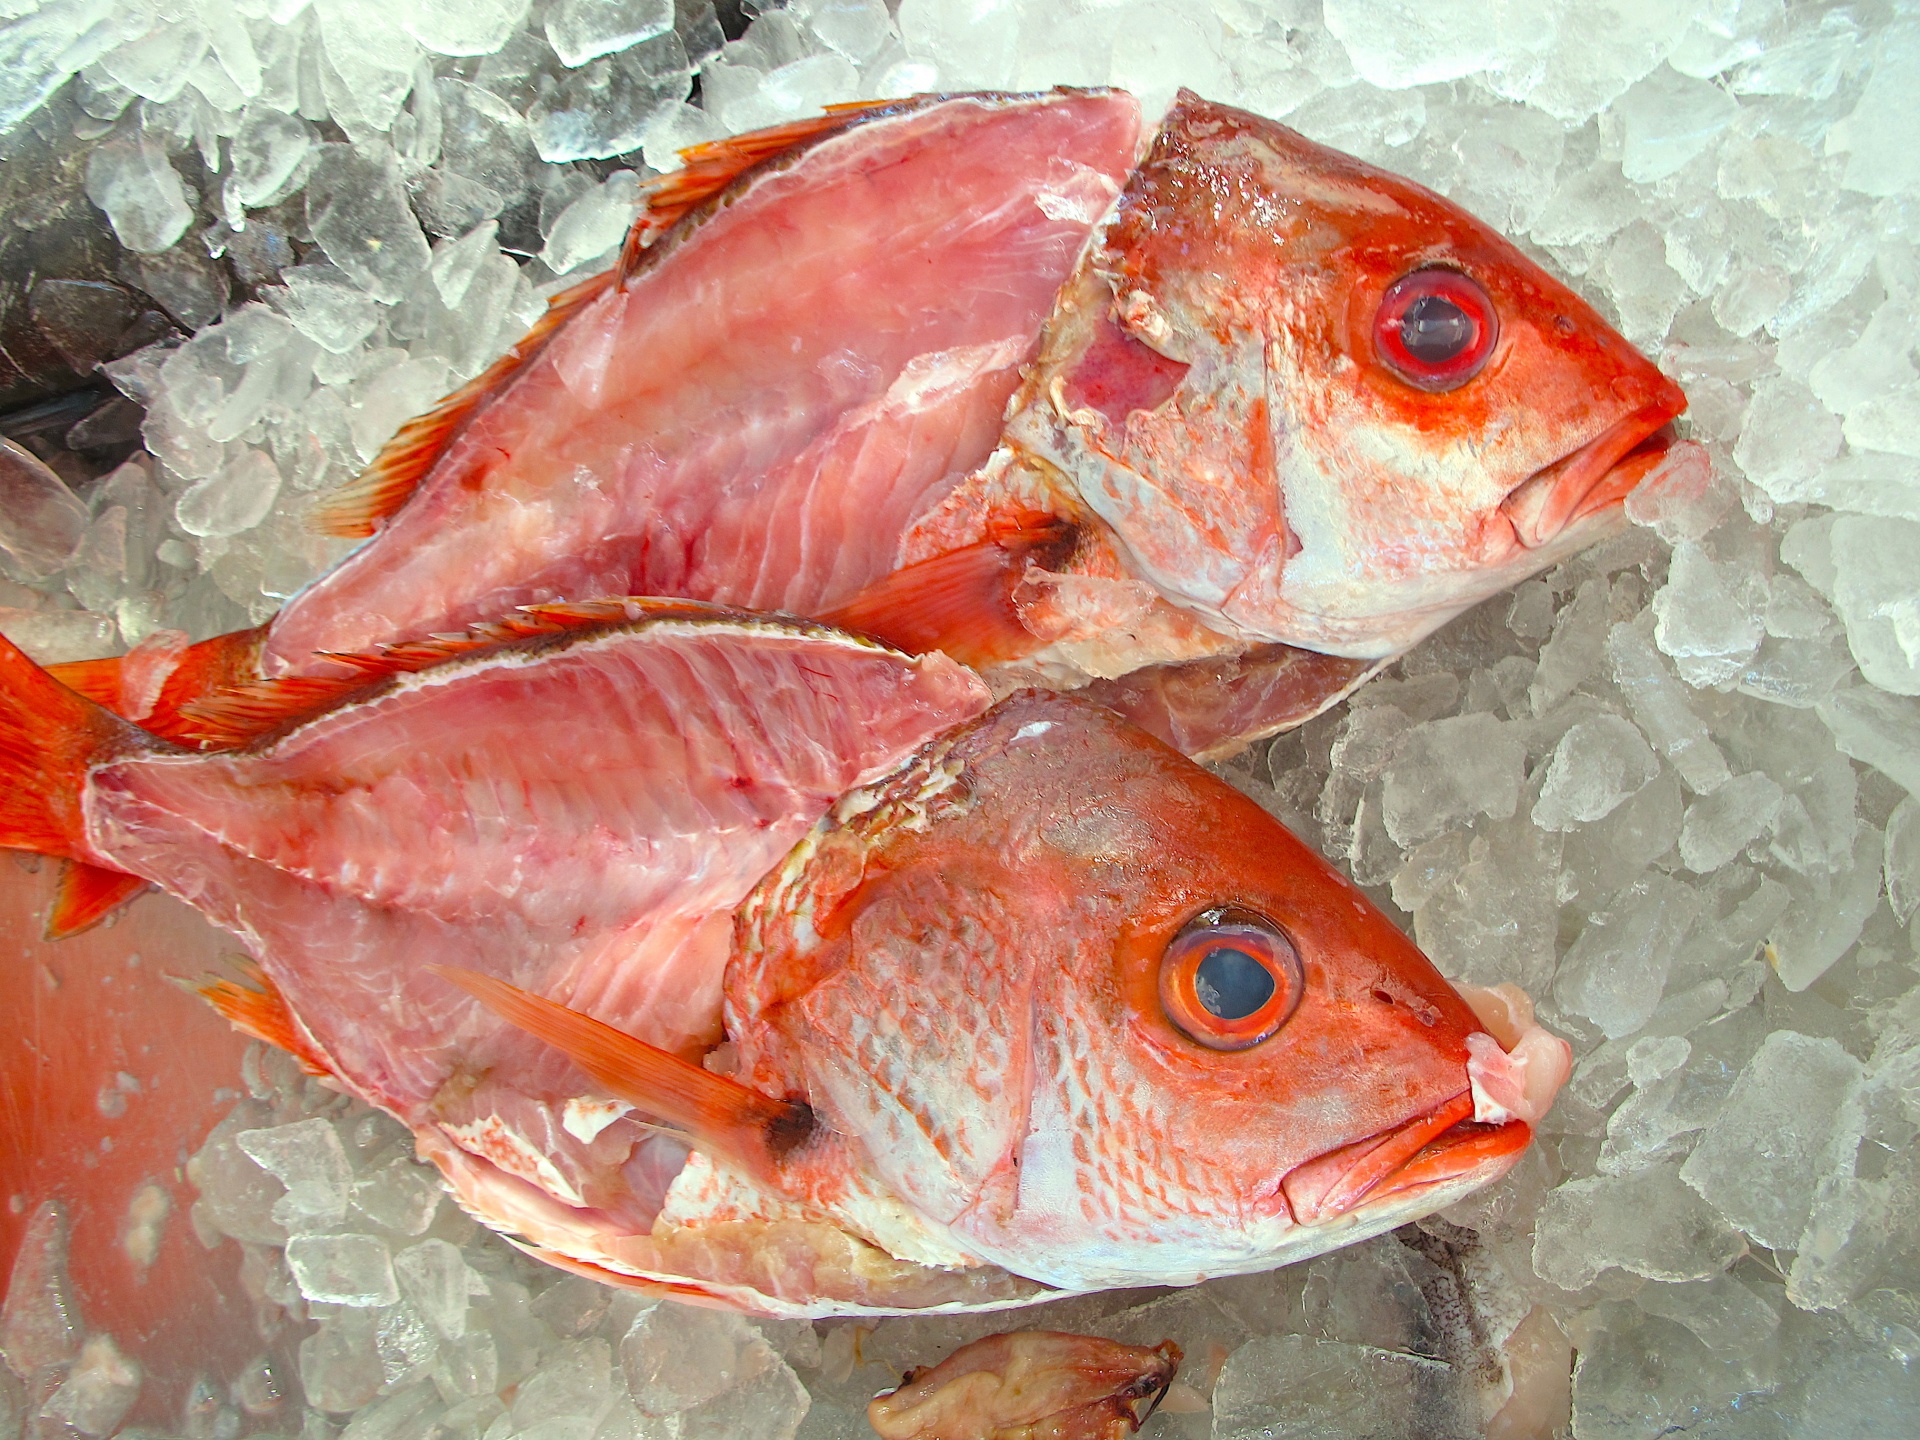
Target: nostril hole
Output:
{"points": [[1382, 996]]}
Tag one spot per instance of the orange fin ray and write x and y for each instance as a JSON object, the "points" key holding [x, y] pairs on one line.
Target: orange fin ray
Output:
{"points": [[961, 602], [98, 680], [355, 510], [254, 1006], [712, 166], [752, 1130], [86, 895]]}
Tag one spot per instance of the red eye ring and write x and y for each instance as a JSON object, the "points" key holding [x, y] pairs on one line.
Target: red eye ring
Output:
{"points": [[1212, 974], [1435, 329]]}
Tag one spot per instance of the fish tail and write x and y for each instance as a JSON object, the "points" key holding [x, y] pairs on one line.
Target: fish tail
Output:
{"points": [[49, 737], [154, 683]]}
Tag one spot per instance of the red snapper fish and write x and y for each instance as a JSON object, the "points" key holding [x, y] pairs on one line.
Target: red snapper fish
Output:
{"points": [[756, 962], [1213, 421]]}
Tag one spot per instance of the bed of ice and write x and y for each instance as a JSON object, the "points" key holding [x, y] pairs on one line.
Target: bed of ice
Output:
{"points": [[1668, 787]]}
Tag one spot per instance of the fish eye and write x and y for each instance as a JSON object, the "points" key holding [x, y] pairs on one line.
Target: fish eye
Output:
{"points": [[1229, 979], [1435, 329]]}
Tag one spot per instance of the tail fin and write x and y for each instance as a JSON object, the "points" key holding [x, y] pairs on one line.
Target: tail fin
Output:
{"points": [[48, 737], [155, 681]]}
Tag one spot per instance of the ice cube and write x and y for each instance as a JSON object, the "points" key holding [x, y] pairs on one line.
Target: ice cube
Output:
{"points": [[676, 1356], [1881, 729], [39, 1318], [1647, 1222], [1639, 1374], [307, 1152], [1668, 119], [1828, 915], [1574, 651], [234, 499], [1788, 437], [1660, 705], [1719, 826], [1449, 770], [401, 1195], [462, 27], [1499, 919], [1400, 43], [973, 45], [42, 45], [1615, 972], [573, 1305], [141, 193], [98, 1391], [1707, 617], [343, 1269], [574, 1381], [41, 521], [367, 66], [1902, 860], [157, 65], [339, 1367], [1873, 135], [582, 30], [1759, 1163], [1724, 1314], [1297, 1387], [1598, 764], [266, 153], [607, 105], [1646, 289], [326, 307], [358, 209], [456, 262], [858, 29], [1877, 591], [436, 1279], [593, 224]]}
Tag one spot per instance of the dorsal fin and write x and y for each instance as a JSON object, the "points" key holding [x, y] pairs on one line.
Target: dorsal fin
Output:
{"points": [[712, 166], [238, 714], [254, 1006], [355, 510]]}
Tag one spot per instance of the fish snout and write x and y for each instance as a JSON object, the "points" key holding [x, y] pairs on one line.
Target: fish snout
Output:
{"points": [[1601, 473]]}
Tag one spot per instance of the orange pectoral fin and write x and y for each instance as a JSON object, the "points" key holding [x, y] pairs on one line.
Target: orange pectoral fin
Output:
{"points": [[753, 1130], [87, 895], [961, 602]]}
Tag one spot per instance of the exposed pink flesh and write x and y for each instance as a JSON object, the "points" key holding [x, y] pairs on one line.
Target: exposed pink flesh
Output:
{"points": [[606, 798], [757, 417]]}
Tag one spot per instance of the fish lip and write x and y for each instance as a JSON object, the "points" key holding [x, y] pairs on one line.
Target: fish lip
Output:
{"points": [[1600, 473], [1433, 1147]]}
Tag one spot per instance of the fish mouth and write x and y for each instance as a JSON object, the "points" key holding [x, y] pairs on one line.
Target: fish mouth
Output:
{"points": [[1445, 1144], [1599, 474]]}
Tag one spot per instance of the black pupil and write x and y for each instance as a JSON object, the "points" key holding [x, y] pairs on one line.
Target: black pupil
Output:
{"points": [[1435, 330], [1232, 984]]}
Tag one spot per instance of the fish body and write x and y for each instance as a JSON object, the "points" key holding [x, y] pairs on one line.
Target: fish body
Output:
{"points": [[970, 373], [811, 980]]}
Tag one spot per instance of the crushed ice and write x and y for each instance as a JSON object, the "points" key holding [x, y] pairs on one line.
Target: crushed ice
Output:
{"points": [[1668, 787]]}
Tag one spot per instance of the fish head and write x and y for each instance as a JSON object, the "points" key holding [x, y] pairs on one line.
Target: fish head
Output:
{"points": [[1092, 1015], [1321, 405]]}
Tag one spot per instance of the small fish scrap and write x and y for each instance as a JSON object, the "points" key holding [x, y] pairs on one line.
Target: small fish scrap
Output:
{"points": [[749, 961], [1029, 1384]]}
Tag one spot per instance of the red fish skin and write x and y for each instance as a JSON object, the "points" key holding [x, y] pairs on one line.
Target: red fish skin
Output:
{"points": [[579, 816], [824, 357], [974, 995]]}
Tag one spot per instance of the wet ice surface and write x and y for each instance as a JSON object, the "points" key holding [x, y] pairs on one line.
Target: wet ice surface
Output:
{"points": [[1665, 787]]}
